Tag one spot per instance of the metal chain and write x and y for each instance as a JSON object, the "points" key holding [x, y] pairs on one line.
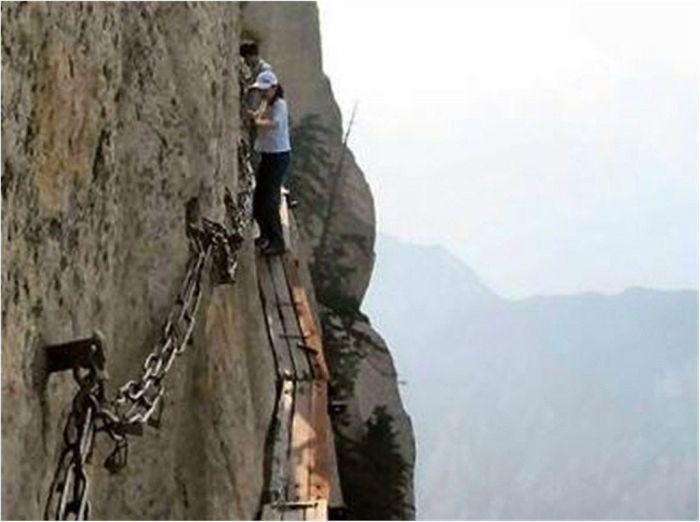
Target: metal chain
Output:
{"points": [[137, 401], [68, 496]]}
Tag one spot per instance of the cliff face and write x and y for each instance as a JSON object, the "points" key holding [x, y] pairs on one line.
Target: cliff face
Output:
{"points": [[112, 123], [337, 222], [116, 119]]}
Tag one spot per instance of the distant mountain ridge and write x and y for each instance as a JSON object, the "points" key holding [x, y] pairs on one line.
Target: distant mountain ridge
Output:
{"points": [[549, 407]]}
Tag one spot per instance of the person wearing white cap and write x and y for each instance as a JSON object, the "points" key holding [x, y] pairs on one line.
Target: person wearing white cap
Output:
{"points": [[273, 144]]}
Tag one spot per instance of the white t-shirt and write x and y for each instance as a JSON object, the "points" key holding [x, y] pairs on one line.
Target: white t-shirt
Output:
{"points": [[275, 138]]}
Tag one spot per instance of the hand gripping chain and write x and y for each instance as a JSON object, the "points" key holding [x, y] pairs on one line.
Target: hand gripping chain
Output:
{"points": [[139, 401]]}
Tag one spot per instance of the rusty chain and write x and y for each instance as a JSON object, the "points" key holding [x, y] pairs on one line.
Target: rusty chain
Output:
{"points": [[139, 401], [68, 496]]}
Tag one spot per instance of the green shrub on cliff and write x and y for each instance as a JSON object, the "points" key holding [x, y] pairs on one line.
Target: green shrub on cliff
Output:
{"points": [[375, 475]]}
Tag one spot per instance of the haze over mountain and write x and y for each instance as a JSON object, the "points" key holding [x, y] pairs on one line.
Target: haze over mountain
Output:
{"points": [[551, 407]]}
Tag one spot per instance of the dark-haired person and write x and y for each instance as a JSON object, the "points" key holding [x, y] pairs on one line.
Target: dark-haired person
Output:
{"points": [[273, 145], [251, 66], [251, 57]]}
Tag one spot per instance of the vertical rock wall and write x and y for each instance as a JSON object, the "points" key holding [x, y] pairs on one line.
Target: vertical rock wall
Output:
{"points": [[373, 433], [115, 116]]}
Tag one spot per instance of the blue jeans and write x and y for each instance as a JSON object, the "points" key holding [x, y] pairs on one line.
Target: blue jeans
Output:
{"points": [[271, 174]]}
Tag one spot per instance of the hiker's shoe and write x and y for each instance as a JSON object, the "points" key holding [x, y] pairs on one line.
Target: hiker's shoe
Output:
{"points": [[261, 242], [273, 250]]}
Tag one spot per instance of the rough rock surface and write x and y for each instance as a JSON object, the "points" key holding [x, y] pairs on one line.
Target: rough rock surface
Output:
{"points": [[340, 244], [113, 122]]}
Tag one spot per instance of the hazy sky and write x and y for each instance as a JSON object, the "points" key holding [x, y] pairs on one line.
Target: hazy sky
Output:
{"points": [[551, 146]]}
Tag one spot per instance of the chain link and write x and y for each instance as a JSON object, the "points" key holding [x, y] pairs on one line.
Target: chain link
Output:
{"points": [[139, 401], [68, 496]]}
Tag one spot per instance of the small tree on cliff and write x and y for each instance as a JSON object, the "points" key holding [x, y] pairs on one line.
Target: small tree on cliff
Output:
{"points": [[376, 472]]}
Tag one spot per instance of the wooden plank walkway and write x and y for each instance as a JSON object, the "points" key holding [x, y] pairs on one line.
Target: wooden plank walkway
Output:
{"points": [[304, 480], [292, 333], [275, 328], [309, 329]]}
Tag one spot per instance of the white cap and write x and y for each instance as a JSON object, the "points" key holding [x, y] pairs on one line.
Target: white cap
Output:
{"points": [[265, 80]]}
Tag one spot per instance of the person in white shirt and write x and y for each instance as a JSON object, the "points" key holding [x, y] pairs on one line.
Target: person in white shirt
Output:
{"points": [[272, 142]]}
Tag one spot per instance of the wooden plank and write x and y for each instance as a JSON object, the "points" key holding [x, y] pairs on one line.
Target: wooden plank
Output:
{"points": [[271, 512], [302, 439], [308, 326], [284, 218], [280, 347], [293, 234], [289, 320], [304, 474], [319, 476], [281, 442]]}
